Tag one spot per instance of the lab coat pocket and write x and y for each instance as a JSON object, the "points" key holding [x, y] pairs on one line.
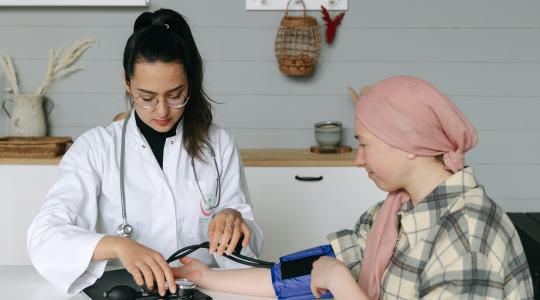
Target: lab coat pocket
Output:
{"points": [[199, 206], [201, 217], [202, 233], [205, 213], [198, 236]]}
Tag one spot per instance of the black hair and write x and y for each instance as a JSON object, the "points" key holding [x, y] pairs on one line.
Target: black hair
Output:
{"points": [[165, 36]]}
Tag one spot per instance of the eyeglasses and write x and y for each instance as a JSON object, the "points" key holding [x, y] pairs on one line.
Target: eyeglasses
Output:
{"points": [[176, 100]]}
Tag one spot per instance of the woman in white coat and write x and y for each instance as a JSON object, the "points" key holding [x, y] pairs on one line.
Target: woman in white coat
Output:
{"points": [[182, 176]]}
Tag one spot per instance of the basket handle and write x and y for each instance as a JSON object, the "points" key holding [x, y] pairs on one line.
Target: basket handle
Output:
{"points": [[287, 7]]}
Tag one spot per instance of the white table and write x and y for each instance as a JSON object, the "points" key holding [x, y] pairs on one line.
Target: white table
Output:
{"points": [[23, 282]]}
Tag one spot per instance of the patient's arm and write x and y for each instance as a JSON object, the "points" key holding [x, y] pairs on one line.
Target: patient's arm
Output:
{"points": [[252, 281]]}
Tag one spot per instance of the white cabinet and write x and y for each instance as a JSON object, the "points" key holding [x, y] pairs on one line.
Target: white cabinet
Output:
{"points": [[296, 215], [22, 190]]}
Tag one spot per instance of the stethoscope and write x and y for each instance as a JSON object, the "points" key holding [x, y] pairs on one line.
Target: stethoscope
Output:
{"points": [[125, 229], [184, 287]]}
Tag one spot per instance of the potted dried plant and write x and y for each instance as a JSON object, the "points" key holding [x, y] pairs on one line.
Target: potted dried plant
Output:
{"points": [[27, 117]]}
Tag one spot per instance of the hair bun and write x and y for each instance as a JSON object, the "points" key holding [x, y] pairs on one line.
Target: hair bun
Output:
{"points": [[160, 23], [145, 20], [166, 18]]}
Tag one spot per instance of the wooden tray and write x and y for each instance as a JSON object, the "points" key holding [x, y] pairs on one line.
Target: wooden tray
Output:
{"points": [[338, 149], [33, 147]]}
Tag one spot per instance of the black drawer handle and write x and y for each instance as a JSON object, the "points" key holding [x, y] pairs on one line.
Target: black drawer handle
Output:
{"points": [[308, 178]]}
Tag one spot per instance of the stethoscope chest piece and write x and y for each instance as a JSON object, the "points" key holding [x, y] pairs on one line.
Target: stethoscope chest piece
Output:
{"points": [[125, 230]]}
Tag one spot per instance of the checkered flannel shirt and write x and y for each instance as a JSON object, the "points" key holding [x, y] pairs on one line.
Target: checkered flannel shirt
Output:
{"points": [[456, 243]]}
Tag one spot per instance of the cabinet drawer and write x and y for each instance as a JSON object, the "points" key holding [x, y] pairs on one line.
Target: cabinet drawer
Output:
{"points": [[296, 215]]}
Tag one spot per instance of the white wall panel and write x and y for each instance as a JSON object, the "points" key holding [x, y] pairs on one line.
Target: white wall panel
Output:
{"points": [[364, 13], [484, 54]]}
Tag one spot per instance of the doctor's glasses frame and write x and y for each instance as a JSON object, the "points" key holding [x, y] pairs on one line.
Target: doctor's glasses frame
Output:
{"points": [[175, 99]]}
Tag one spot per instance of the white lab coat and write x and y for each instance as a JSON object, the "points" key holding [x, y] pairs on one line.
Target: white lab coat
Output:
{"points": [[163, 206]]}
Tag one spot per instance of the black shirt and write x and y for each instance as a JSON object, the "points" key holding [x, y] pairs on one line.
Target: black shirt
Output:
{"points": [[155, 139]]}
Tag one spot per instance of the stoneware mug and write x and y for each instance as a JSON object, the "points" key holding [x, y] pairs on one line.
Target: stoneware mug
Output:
{"points": [[328, 134]]}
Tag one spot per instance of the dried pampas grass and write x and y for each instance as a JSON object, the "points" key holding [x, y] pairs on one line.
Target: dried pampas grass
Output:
{"points": [[11, 75], [60, 65]]}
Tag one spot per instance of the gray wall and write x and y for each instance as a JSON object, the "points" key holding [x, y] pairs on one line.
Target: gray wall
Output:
{"points": [[484, 54]]}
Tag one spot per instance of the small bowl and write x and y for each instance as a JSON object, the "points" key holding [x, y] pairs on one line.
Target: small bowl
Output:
{"points": [[328, 134]]}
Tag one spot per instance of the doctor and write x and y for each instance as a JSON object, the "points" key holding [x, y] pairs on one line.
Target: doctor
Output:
{"points": [[139, 189]]}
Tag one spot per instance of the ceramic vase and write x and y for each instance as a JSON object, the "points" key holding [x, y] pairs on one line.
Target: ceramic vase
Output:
{"points": [[27, 116]]}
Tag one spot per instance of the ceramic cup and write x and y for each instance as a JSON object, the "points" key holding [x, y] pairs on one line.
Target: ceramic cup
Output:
{"points": [[328, 134]]}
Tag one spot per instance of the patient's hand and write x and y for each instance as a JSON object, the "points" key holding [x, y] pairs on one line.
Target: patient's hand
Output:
{"points": [[325, 272], [330, 274], [193, 270], [249, 281]]}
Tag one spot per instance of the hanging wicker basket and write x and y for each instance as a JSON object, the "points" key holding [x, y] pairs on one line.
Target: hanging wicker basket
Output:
{"points": [[297, 44]]}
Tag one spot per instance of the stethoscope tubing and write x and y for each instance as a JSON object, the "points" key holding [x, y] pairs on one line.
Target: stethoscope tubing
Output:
{"points": [[122, 161], [235, 256], [218, 178]]}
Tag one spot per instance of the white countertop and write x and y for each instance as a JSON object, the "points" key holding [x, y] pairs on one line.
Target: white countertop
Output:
{"points": [[23, 282]]}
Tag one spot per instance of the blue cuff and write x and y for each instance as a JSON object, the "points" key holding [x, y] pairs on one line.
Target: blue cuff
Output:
{"points": [[297, 287]]}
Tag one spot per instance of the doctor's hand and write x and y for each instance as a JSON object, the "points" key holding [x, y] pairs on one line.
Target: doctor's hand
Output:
{"points": [[144, 264], [226, 228]]}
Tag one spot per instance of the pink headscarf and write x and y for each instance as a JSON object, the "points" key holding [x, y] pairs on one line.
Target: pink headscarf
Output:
{"points": [[410, 114]]}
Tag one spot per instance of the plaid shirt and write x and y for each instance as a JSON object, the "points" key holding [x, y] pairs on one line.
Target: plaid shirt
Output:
{"points": [[456, 243]]}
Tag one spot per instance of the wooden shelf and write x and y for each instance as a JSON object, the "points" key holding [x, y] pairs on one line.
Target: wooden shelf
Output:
{"points": [[251, 158], [31, 161], [295, 158]]}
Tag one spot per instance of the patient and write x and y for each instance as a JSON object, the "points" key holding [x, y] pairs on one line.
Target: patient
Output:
{"points": [[436, 235]]}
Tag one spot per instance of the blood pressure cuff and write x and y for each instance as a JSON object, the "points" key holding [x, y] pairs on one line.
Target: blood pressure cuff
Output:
{"points": [[291, 276]]}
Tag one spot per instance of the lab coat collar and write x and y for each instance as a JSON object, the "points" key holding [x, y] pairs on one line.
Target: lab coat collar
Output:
{"points": [[132, 127]]}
